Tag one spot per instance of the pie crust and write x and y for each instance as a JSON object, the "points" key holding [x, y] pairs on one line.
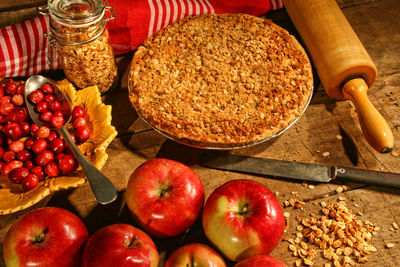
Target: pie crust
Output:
{"points": [[224, 80]]}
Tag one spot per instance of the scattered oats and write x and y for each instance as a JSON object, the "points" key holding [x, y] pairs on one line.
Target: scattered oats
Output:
{"points": [[286, 214], [339, 189], [323, 204], [299, 227], [395, 226], [276, 193], [297, 240], [292, 247], [356, 205], [304, 184], [359, 213], [294, 192], [327, 265], [307, 262], [299, 235], [303, 245], [342, 198], [311, 187], [325, 154], [339, 137], [298, 263], [345, 187], [389, 245], [395, 154]]}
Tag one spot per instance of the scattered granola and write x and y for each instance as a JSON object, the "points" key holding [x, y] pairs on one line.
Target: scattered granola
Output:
{"points": [[343, 239]]}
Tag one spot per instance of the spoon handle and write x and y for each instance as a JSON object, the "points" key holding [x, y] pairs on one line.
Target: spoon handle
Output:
{"points": [[103, 189]]}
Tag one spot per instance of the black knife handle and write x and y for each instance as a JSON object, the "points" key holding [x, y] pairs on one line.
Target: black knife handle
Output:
{"points": [[368, 177]]}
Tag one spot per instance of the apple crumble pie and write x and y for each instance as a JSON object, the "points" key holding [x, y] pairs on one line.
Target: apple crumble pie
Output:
{"points": [[220, 80]]}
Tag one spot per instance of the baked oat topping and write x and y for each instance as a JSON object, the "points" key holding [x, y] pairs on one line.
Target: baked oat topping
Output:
{"points": [[220, 79]]}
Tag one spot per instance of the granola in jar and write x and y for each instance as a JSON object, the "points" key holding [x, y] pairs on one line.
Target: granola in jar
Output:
{"points": [[78, 32]]}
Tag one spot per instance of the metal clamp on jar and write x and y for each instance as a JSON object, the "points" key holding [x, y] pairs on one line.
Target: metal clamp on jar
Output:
{"points": [[79, 35]]}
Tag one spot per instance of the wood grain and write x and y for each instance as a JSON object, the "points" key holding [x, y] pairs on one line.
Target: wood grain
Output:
{"points": [[376, 24]]}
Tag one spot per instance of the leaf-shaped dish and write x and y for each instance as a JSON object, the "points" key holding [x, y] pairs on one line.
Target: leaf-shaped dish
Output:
{"points": [[12, 196]]}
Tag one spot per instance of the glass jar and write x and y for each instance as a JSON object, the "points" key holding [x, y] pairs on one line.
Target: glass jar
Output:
{"points": [[79, 35]]}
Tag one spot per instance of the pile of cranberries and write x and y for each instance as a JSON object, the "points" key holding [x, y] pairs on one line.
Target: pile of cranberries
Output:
{"points": [[29, 153]]}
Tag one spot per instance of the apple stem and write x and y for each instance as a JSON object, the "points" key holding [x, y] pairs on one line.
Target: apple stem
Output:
{"points": [[244, 209], [130, 243], [39, 238], [164, 191]]}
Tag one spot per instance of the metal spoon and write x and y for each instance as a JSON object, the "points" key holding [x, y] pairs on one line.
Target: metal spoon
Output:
{"points": [[102, 188]]}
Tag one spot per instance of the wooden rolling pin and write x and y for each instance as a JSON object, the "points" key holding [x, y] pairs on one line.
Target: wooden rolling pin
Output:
{"points": [[343, 65]]}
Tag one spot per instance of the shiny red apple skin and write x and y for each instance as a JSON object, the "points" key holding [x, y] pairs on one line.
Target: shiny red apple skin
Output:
{"points": [[243, 218], [260, 261], [195, 254], [63, 233], [165, 197], [120, 245]]}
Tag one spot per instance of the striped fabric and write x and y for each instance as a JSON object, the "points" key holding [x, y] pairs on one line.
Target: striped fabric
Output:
{"points": [[24, 49]]}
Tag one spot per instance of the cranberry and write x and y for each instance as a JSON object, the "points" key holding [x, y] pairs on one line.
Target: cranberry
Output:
{"points": [[42, 106], [1, 152], [17, 100], [16, 146], [39, 146], [43, 132], [56, 121], [73, 137], [54, 105], [12, 130], [18, 174], [2, 164], [5, 99], [47, 88], [78, 112], [58, 113], [29, 164], [34, 127], [28, 143], [38, 171], [25, 128], [79, 123], [49, 98], [11, 166], [57, 145], [46, 116], [6, 108], [10, 89], [21, 89], [53, 135], [67, 163], [1, 90], [30, 182], [36, 97], [82, 134], [8, 156], [52, 169], [44, 158], [24, 155], [17, 115]]}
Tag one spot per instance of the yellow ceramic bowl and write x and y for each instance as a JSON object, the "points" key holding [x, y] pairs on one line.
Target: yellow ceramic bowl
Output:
{"points": [[12, 196]]}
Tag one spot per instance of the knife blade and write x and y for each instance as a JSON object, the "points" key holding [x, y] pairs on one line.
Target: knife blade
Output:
{"points": [[296, 170]]}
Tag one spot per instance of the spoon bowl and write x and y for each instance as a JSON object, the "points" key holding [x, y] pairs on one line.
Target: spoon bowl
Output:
{"points": [[102, 188]]}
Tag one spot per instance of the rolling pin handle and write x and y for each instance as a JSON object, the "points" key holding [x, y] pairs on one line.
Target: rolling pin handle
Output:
{"points": [[375, 128]]}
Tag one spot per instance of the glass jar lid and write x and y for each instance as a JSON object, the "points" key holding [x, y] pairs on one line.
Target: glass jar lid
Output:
{"points": [[76, 13]]}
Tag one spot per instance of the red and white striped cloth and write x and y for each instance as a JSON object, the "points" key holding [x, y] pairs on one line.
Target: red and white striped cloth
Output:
{"points": [[23, 46]]}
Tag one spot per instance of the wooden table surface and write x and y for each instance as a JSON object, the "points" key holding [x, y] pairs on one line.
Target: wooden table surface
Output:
{"points": [[315, 138]]}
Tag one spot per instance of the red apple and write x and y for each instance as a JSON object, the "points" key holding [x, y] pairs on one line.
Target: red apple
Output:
{"points": [[260, 260], [195, 255], [120, 245], [47, 236], [243, 218], [165, 197]]}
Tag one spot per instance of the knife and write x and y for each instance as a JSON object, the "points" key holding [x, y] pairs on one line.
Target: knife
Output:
{"points": [[296, 170]]}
